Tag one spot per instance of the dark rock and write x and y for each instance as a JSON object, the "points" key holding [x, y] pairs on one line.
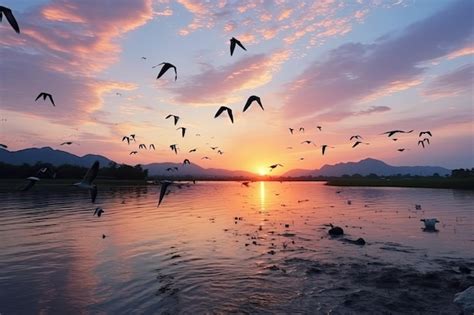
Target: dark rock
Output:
{"points": [[336, 231]]}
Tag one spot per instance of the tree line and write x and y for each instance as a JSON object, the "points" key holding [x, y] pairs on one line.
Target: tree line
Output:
{"points": [[67, 171]]}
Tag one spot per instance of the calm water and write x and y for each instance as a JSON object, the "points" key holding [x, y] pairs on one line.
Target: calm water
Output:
{"points": [[191, 255]]}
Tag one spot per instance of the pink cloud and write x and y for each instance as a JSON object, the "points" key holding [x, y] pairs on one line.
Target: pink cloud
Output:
{"points": [[453, 83], [215, 85]]}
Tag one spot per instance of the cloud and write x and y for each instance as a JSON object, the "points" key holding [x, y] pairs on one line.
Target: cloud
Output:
{"points": [[453, 83], [265, 20], [63, 46], [216, 85], [353, 71]]}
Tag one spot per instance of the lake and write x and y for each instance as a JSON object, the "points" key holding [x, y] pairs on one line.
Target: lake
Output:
{"points": [[221, 247]]}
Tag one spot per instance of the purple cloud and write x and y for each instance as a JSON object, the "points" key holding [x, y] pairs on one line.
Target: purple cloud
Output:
{"points": [[453, 83], [356, 71]]}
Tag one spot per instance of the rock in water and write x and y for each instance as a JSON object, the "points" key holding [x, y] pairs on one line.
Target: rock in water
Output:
{"points": [[336, 231], [465, 299], [359, 241]]}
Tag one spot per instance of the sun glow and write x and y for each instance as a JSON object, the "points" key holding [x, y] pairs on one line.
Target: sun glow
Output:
{"points": [[262, 171]]}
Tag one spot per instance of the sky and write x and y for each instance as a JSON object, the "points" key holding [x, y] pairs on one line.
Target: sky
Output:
{"points": [[358, 67]]}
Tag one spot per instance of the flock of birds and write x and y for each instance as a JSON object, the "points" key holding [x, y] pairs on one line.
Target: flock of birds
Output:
{"points": [[88, 180]]}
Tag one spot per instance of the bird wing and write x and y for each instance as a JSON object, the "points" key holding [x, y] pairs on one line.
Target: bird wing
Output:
{"points": [[11, 19], [91, 173], [39, 95], [231, 116], [240, 44], [324, 149], [51, 98], [429, 133], [247, 104], [164, 186], [219, 111], [168, 116], [93, 192], [176, 118], [355, 144], [232, 46], [352, 137], [259, 101], [175, 73], [163, 70]]}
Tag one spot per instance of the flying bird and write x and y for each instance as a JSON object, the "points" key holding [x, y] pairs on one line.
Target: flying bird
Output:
{"points": [[175, 118], [133, 152], [357, 143], [392, 132], [357, 137], [427, 140], [10, 18], [273, 166], [66, 143], [98, 211], [183, 131], [234, 41], [222, 109], [302, 129], [291, 130], [323, 148], [164, 186], [166, 67], [174, 148], [133, 137], [144, 58], [319, 127], [213, 148], [308, 142], [88, 181], [126, 138], [33, 179], [45, 95], [192, 150], [205, 158], [186, 161], [151, 146], [401, 150], [220, 152], [425, 132], [251, 99], [422, 143], [142, 146]]}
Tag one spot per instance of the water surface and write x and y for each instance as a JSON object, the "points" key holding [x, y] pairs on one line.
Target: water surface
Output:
{"points": [[222, 247]]}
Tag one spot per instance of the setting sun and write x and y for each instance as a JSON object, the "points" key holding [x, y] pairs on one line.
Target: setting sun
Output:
{"points": [[262, 171]]}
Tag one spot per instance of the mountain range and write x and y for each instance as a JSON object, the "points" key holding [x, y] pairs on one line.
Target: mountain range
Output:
{"points": [[363, 167]]}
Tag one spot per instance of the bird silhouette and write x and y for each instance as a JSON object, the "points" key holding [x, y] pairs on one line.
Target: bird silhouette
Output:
{"points": [[234, 41], [133, 152], [427, 140], [205, 158], [183, 131], [174, 148], [323, 148], [251, 99], [422, 143], [222, 109], [291, 130], [88, 181], [10, 18], [175, 118], [186, 161], [357, 143], [302, 129], [66, 143], [273, 166], [142, 146], [401, 150], [151, 146], [144, 58], [319, 127], [126, 138], [192, 150], [132, 136], [308, 142], [166, 67], [355, 137], [164, 187], [213, 148], [45, 95], [392, 132], [220, 152], [98, 211], [425, 132]]}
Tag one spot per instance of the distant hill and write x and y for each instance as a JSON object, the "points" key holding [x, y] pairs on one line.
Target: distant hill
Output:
{"points": [[49, 155], [366, 167], [194, 170]]}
